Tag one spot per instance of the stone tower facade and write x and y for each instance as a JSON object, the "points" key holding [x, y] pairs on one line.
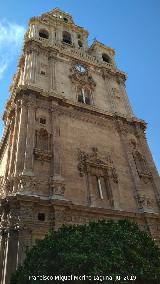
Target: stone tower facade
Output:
{"points": [[72, 150]]}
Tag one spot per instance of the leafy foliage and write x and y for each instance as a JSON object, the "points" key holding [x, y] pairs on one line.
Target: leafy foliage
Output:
{"points": [[100, 248]]}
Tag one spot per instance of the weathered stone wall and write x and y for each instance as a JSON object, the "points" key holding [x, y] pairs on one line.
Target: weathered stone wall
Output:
{"points": [[72, 150]]}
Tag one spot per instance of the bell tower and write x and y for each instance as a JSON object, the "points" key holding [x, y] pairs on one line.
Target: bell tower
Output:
{"points": [[72, 150]]}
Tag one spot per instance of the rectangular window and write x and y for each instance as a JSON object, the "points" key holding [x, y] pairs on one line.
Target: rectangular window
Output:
{"points": [[43, 72], [101, 188], [84, 97], [41, 216]]}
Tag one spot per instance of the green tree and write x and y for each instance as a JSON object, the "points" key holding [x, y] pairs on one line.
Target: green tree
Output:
{"points": [[97, 249]]}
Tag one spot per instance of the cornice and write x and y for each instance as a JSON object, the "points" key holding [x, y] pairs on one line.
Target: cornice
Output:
{"points": [[73, 54], [81, 210], [91, 109], [83, 107], [68, 103]]}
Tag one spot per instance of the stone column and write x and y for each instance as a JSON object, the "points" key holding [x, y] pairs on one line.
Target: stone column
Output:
{"points": [[33, 31], [24, 243], [11, 255], [26, 68], [21, 143], [113, 187], [28, 161], [91, 195], [10, 139], [88, 183], [2, 253], [33, 65]]}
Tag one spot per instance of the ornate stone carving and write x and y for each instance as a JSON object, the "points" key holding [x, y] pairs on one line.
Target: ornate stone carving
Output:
{"points": [[145, 202], [82, 78], [57, 186], [10, 219], [3, 187], [86, 161], [42, 150], [27, 184], [141, 165], [4, 221], [42, 155]]}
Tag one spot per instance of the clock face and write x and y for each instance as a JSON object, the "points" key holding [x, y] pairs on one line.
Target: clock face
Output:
{"points": [[80, 68]]}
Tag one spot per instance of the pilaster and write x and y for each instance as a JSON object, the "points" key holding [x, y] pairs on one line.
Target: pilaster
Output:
{"points": [[57, 181], [11, 255], [24, 244], [21, 143], [109, 95], [155, 177], [3, 243], [14, 140], [33, 58], [126, 100], [10, 141], [129, 158], [52, 72], [28, 161]]}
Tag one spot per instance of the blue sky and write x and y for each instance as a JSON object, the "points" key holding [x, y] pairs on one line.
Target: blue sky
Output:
{"points": [[131, 27]]}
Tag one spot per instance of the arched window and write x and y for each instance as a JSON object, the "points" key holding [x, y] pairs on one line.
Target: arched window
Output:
{"points": [[44, 34], [106, 58], [84, 96], [65, 19], [80, 43], [67, 37]]}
